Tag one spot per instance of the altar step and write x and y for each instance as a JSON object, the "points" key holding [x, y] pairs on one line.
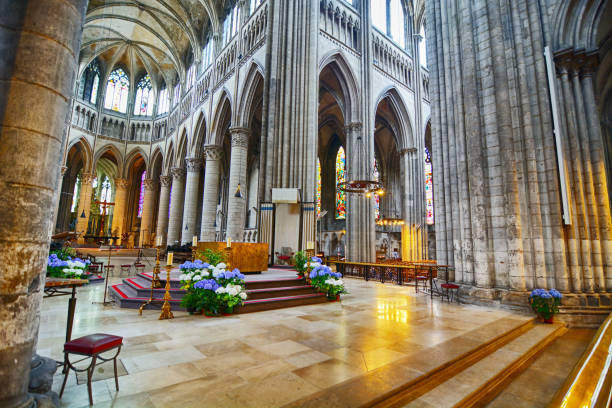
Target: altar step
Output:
{"points": [[446, 375], [262, 294]]}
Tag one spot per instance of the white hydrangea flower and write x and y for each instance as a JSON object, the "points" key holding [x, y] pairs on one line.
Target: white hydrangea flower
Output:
{"points": [[243, 295], [220, 290]]}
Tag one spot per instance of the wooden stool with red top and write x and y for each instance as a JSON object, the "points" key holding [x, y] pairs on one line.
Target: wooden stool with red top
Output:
{"points": [[449, 290], [91, 346]]}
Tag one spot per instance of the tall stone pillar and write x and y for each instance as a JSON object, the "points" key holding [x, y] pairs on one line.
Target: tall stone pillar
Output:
{"points": [[84, 205], [360, 223], [192, 187], [40, 43], [212, 173], [238, 168], [164, 201], [176, 205], [121, 186], [146, 220]]}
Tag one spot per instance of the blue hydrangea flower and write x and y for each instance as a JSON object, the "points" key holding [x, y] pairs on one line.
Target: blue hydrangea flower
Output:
{"points": [[207, 284], [555, 293], [316, 259]]}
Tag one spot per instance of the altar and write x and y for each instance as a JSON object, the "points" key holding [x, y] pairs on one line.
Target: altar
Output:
{"points": [[246, 256]]}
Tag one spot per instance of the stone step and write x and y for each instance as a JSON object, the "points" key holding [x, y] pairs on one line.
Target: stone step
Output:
{"points": [[477, 384], [267, 293], [259, 305], [409, 378]]}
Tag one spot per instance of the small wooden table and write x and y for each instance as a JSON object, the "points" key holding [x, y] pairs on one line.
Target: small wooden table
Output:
{"points": [[57, 287]]}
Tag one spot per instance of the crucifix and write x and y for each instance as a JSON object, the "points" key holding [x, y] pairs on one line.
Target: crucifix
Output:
{"points": [[104, 206]]}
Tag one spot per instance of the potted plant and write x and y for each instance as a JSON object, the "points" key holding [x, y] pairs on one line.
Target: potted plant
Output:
{"points": [[328, 282], [300, 260], [545, 303]]}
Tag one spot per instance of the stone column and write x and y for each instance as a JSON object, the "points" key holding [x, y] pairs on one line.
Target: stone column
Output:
{"points": [[146, 220], [360, 223], [212, 173], [40, 45], [176, 205], [162, 214], [84, 205], [194, 165], [121, 186], [238, 168]]}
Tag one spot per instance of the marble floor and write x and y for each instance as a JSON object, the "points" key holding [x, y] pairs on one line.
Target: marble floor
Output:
{"points": [[379, 335]]}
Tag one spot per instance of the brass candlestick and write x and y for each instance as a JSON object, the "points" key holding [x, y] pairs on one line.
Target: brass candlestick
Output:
{"points": [[166, 309], [155, 283]]}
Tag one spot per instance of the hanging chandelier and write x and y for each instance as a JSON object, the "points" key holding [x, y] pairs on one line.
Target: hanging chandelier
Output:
{"points": [[367, 187]]}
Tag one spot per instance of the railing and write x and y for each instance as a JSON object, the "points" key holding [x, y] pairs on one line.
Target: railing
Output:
{"points": [[590, 382], [389, 272], [140, 131], [112, 126], [224, 63], [84, 117], [425, 83], [202, 88], [254, 32], [160, 129], [392, 60], [340, 22]]}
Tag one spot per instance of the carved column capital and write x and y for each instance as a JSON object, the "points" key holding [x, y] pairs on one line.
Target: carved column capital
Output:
{"points": [[213, 152], [165, 181], [353, 127], [194, 164], [121, 183], [408, 151], [177, 173], [149, 184], [87, 178], [240, 137]]}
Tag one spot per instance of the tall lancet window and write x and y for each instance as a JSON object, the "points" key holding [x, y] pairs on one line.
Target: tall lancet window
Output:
{"points": [[388, 17], [340, 178], [91, 82], [142, 194], [75, 195], [117, 90], [106, 194], [143, 104], [318, 192], [429, 197], [164, 100]]}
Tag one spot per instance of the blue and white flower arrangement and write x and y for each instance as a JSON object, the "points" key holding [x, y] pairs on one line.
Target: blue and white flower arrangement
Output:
{"points": [[73, 268], [325, 280], [211, 288], [545, 303]]}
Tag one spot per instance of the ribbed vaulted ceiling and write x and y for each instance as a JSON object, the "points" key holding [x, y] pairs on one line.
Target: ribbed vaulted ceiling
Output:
{"points": [[148, 35]]}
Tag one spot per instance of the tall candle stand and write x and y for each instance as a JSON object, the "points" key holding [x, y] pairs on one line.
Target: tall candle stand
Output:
{"points": [[166, 312], [155, 283]]}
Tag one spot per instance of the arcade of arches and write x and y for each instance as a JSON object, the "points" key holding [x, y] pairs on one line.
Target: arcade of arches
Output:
{"points": [[488, 123]]}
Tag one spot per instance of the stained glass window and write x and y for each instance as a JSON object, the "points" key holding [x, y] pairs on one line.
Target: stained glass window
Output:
{"points": [[254, 5], [376, 196], [318, 193], [75, 195], [170, 199], [388, 16], [105, 194], [142, 194], [177, 94], [207, 55], [340, 177], [117, 90], [90, 82], [429, 197], [164, 100], [143, 104]]}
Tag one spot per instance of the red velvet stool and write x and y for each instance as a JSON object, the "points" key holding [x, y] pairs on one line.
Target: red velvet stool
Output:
{"points": [[420, 278], [449, 290], [91, 346], [139, 268]]}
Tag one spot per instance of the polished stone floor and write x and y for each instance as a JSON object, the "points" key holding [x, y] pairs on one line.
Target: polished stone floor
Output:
{"points": [[379, 334]]}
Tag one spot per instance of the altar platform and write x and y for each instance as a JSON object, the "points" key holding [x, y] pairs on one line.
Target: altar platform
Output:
{"points": [[273, 289]]}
